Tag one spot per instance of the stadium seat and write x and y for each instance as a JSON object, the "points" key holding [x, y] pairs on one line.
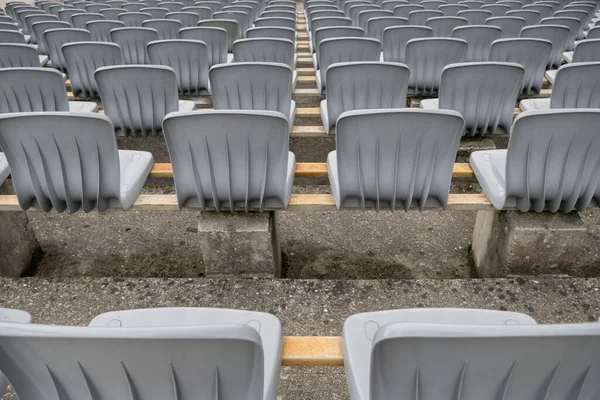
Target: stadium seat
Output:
{"points": [[544, 10], [137, 97], [100, 30], [363, 85], [10, 26], [420, 17], [404, 11], [475, 17], [15, 55], [37, 89], [7, 314], [267, 50], [39, 28], [201, 12], [376, 26], [443, 26], [473, 5], [531, 17], [188, 58], [328, 22], [355, 10], [513, 4], [250, 7], [594, 33], [365, 16], [586, 51], [79, 21], [395, 40], [427, 57], [274, 32], [172, 6], [112, 13], [132, 7], [484, 93], [433, 4], [279, 14], [451, 10], [479, 38], [133, 42], [65, 14], [344, 50], [279, 22], [213, 5], [156, 12], [550, 164], [557, 34], [443, 351], [497, 10], [116, 3], [215, 39], [571, 23], [166, 28], [187, 19], [151, 3], [345, 7], [417, 160], [83, 58], [54, 9], [134, 19], [582, 16], [21, 14], [531, 54], [231, 160], [253, 86], [31, 19], [230, 26], [80, 5], [241, 18], [333, 33], [56, 38], [574, 87], [69, 162], [511, 26]]}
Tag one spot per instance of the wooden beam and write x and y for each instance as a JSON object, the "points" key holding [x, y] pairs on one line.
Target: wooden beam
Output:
{"points": [[308, 131], [312, 351], [305, 71], [310, 112], [309, 80]]}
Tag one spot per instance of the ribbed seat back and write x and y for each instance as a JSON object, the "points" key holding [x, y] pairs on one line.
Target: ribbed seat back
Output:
{"points": [[479, 39], [264, 50], [133, 42], [365, 16], [335, 32], [557, 34], [167, 29], [40, 27], [79, 20], [337, 50], [13, 55], [134, 19], [32, 89], [56, 38], [215, 39], [587, 51], [231, 27], [395, 40], [443, 26], [61, 161], [511, 26], [229, 160], [576, 86], [376, 26], [100, 30]]}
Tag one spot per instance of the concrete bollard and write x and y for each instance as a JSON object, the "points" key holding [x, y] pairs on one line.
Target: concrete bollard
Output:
{"points": [[240, 244], [515, 243]]}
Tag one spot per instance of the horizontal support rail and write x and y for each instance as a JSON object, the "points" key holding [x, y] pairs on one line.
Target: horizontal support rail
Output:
{"points": [[312, 351]]}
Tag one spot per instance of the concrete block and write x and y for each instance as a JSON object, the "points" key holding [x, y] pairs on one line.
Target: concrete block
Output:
{"points": [[516, 243], [19, 248], [240, 244]]}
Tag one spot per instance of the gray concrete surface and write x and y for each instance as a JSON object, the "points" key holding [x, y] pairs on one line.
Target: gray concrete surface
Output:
{"points": [[305, 307]]}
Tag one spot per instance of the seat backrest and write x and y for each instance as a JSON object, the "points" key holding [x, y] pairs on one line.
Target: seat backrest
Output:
{"points": [[390, 4], [7, 314], [172, 6], [11, 36], [214, 38], [395, 40], [252, 86], [65, 14], [511, 26], [347, 49], [427, 57], [40, 27], [281, 22], [479, 38], [587, 51], [188, 58], [265, 50], [434, 361], [200, 11], [133, 42], [156, 12], [531, 54], [15, 55], [571, 23], [531, 17], [187, 19], [84, 58], [61, 161], [552, 161], [31, 19], [582, 16], [229, 160], [594, 33], [134, 19], [137, 97], [365, 85], [278, 14], [272, 31], [55, 8], [432, 4], [213, 5], [365, 16], [405, 10], [355, 10], [80, 20], [497, 10], [396, 158], [345, 6], [451, 10], [166, 28], [241, 18], [9, 26], [151, 3], [32, 89], [152, 363], [376, 26], [21, 14], [112, 13], [318, 14], [475, 17], [132, 7], [100, 30], [544, 10], [231, 27], [485, 93], [56, 38], [473, 5], [575, 86], [443, 26], [335, 32], [420, 17], [557, 34]]}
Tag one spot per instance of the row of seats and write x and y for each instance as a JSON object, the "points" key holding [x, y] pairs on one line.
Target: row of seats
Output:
{"points": [[190, 353], [228, 160]]}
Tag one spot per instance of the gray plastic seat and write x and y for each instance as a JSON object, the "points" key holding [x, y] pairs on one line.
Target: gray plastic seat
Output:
{"points": [[593, 33], [21, 14], [278, 14], [365, 16], [137, 97], [79, 21], [484, 93], [134, 19], [451, 10], [214, 38], [571, 23], [213, 5], [231, 160], [253, 86], [443, 26], [376, 26], [172, 6], [10, 26], [16, 55], [328, 22], [272, 31], [31, 19], [355, 10], [267, 50], [586, 51], [151, 3], [396, 38], [56, 38], [100, 30], [511, 26], [39, 28], [432, 4], [473, 5], [12, 36], [112, 13], [413, 149], [544, 10], [363, 85], [201, 12], [187, 19], [405, 10], [68, 162], [133, 42], [241, 18], [37, 89], [166, 28], [479, 38], [427, 57], [333, 33], [132, 7], [188, 58], [550, 164], [475, 17], [279, 22], [83, 58], [531, 17], [156, 12], [557, 34], [7, 314], [115, 3], [575, 86], [65, 14], [54, 9], [497, 10], [344, 50], [231, 27], [465, 348], [514, 5], [420, 17], [531, 54], [390, 4], [580, 15]]}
